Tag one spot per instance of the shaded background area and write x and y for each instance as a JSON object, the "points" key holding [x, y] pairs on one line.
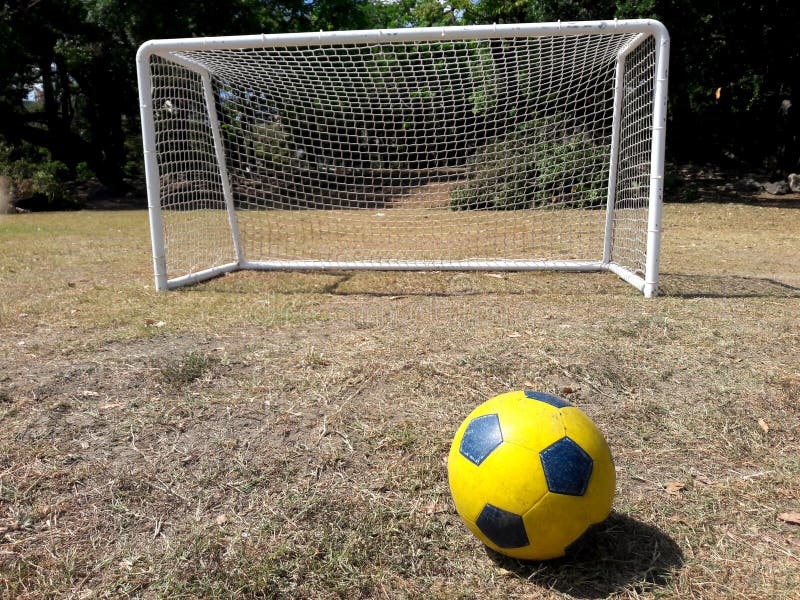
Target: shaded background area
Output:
{"points": [[69, 126]]}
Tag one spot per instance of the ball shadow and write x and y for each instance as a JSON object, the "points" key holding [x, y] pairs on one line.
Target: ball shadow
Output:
{"points": [[620, 553]]}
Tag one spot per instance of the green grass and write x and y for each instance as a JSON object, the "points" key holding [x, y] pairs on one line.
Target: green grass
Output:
{"points": [[182, 372], [283, 435]]}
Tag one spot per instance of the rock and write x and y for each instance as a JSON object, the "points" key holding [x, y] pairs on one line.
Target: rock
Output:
{"points": [[748, 184], [794, 182], [777, 188]]}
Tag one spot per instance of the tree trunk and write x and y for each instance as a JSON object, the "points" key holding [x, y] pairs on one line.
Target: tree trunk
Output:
{"points": [[6, 195]]}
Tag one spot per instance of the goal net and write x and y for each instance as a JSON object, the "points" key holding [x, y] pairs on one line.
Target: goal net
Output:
{"points": [[504, 147]]}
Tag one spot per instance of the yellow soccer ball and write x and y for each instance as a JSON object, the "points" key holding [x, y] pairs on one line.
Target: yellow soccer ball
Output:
{"points": [[529, 473]]}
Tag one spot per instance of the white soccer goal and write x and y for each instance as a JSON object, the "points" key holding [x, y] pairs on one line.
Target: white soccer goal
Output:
{"points": [[500, 147]]}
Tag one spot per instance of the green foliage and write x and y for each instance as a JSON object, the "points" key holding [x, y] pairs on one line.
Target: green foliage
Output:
{"points": [[734, 76], [35, 177], [520, 171], [421, 13], [749, 51], [519, 11], [81, 56], [186, 370], [83, 171]]}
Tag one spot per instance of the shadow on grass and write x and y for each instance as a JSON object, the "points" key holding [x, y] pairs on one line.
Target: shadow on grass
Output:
{"points": [[723, 286], [671, 285], [336, 284], [620, 553]]}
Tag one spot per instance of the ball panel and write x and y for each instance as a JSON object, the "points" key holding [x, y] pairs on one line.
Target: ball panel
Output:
{"points": [[481, 436], [510, 478], [567, 467], [494, 405], [504, 529], [553, 524], [530, 423], [553, 401], [599, 493]]}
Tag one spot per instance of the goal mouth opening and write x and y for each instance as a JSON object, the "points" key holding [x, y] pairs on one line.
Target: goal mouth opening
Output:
{"points": [[537, 144]]}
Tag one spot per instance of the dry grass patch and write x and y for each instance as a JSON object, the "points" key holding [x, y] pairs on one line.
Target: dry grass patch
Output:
{"points": [[285, 435]]}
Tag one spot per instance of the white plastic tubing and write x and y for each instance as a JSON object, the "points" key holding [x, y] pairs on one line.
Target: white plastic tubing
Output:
{"points": [[646, 27]]}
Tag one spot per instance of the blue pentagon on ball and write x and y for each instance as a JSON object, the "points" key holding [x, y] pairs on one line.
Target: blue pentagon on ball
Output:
{"points": [[503, 528], [481, 437], [567, 467], [554, 401]]}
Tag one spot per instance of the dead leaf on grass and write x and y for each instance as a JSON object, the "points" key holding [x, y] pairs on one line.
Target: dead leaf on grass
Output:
{"points": [[793, 518], [763, 424], [703, 479], [188, 459], [435, 507], [674, 488], [89, 393], [514, 334], [495, 275], [528, 384], [221, 519], [567, 390], [677, 519]]}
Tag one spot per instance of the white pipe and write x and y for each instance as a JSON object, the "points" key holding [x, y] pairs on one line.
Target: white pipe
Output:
{"points": [[190, 65], [635, 42], [628, 276], [411, 34], [616, 126], [202, 275], [219, 151], [151, 168], [640, 28], [425, 265], [657, 163]]}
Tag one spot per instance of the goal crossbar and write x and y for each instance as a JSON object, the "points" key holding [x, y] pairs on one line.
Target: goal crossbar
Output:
{"points": [[500, 147]]}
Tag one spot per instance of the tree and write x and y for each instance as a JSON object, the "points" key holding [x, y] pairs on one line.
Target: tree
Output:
{"points": [[735, 69], [734, 78], [734, 74], [81, 54]]}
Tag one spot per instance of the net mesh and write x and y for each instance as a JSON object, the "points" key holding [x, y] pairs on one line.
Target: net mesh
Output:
{"points": [[633, 170], [490, 149], [196, 228]]}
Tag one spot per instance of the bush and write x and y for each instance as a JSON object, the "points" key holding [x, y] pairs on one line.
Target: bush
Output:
{"points": [[519, 171], [37, 181]]}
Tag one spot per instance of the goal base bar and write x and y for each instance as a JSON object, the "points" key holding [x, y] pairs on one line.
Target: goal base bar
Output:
{"points": [[648, 289], [197, 277], [426, 265]]}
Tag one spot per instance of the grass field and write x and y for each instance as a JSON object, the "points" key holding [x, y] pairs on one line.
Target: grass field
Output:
{"points": [[284, 435]]}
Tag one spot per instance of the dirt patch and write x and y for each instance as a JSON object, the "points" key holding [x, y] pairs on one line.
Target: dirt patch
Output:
{"points": [[430, 195]]}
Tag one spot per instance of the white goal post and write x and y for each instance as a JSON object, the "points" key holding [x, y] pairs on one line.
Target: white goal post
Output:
{"points": [[499, 147]]}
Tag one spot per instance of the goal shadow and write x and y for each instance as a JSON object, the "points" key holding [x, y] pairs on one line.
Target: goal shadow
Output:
{"points": [[420, 284], [619, 553], [723, 286]]}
